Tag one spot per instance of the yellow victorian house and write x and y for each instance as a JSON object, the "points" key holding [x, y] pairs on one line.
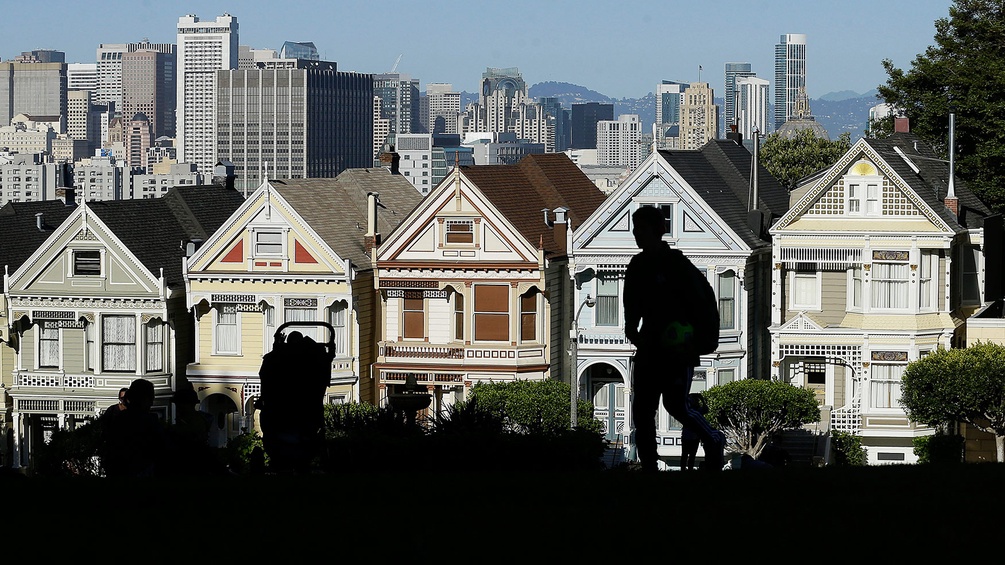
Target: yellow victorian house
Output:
{"points": [[297, 250]]}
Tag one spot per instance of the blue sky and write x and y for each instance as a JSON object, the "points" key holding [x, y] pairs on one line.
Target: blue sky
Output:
{"points": [[621, 49]]}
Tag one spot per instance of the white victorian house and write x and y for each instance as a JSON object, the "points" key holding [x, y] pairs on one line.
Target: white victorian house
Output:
{"points": [[880, 260], [705, 196]]}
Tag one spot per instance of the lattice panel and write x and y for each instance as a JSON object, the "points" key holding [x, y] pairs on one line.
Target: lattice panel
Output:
{"points": [[831, 203], [38, 380], [895, 202], [79, 381], [849, 354]]}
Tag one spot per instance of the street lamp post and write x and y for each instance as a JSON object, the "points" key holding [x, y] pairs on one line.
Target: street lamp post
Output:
{"points": [[589, 302]]}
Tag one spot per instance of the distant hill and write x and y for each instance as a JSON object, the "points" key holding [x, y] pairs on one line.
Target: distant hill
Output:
{"points": [[567, 93], [846, 95]]}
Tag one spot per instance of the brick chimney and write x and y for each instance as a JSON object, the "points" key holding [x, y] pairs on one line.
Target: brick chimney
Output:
{"points": [[391, 159], [901, 125], [562, 230]]}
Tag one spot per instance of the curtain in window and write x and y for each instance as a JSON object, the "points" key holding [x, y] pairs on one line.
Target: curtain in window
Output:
{"points": [[607, 302], [302, 315], [89, 339], [886, 385], [804, 291], [727, 300], [889, 285], [118, 343], [337, 318], [154, 347], [228, 340], [48, 347], [925, 292]]}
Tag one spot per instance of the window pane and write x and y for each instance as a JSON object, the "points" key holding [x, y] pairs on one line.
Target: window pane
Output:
{"points": [[727, 302], [155, 347], [491, 327], [86, 262], [528, 317], [336, 317], [48, 347], [886, 385], [414, 326], [458, 316], [227, 336], [118, 348], [491, 298], [302, 315]]}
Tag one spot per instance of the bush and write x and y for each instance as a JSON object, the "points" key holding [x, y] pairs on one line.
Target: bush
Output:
{"points": [[534, 407], [70, 453], [847, 450], [940, 448], [240, 449], [750, 411]]}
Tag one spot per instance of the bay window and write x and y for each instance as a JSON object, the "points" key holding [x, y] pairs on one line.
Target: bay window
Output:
{"points": [[118, 343], [890, 285]]}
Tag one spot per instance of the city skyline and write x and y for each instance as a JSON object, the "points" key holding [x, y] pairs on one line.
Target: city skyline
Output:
{"points": [[592, 44]]}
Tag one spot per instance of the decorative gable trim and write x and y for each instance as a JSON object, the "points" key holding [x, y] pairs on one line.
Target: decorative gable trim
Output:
{"points": [[833, 180], [801, 323]]}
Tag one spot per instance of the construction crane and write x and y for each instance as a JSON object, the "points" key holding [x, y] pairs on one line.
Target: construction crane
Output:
{"points": [[396, 61]]}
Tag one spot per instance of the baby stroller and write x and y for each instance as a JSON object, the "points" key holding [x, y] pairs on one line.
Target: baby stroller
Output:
{"points": [[294, 377]]}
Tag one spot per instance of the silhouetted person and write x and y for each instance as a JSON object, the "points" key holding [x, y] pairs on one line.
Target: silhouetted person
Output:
{"points": [[189, 435], [134, 439], [656, 295], [116, 408], [294, 377], [688, 437]]}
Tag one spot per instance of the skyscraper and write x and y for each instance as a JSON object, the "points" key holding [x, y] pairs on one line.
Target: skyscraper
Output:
{"points": [[669, 95], [444, 106], [318, 124], [790, 75], [399, 101], [36, 89], [299, 50], [149, 87], [82, 76], [733, 71], [204, 47], [584, 123], [699, 116], [751, 106], [109, 67], [618, 142], [504, 107]]}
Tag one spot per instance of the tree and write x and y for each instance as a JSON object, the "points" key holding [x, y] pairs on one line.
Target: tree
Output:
{"points": [[750, 411], [963, 73], [789, 159], [959, 385]]}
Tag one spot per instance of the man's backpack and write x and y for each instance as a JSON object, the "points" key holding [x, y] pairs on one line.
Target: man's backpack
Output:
{"points": [[702, 310]]}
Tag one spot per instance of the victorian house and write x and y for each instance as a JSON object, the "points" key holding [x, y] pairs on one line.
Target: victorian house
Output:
{"points": [[99, 302], [474, 284], [297, 250], [718, 216], [880, 260]]}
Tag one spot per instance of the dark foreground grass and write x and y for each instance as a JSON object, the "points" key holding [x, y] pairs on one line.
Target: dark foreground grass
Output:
{"points": [[798, 515]]}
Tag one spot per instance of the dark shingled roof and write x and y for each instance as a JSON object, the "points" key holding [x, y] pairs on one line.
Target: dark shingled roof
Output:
{"points": [[155, 230], [931, 182], [336, 207], [720, 174], [538, 181], [19, 233]]}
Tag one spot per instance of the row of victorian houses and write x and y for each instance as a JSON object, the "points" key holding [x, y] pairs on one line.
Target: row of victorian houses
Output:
{"points": [[836, 286]]}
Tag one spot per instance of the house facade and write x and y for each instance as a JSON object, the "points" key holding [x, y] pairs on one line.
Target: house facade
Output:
{"points": [[100, 302], [704, 195], [474, 284], [295, 251], [879, 261]]}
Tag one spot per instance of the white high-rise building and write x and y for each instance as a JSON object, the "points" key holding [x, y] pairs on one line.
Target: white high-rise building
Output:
{"points": [[109, 68], [82, 76], [733, 72], [751, 104], [204, 47], [619, 141], [669, 95], [444, 107], [790, 75]]}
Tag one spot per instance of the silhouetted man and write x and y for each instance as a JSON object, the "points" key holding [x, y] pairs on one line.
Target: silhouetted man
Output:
{"points": [[656, 294]]}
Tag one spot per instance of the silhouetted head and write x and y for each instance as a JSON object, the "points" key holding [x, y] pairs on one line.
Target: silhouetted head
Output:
{"points": [[141, 395], [185, 397], [648, 226], [294, 338], [123, 392]]}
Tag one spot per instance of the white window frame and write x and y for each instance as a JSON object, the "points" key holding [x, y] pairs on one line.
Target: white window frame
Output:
{"points": [[303, 314], [611, 294], [900, 288], [537, 318], [338, 317], [928, 277], [263, 248], [806, 275], [885, 390], [41, 336], [965, 275], [856, 278], [864, 195], [75, 254], [218, 312], [154, 337], [451, 222], [729, 301], [131, 346]]}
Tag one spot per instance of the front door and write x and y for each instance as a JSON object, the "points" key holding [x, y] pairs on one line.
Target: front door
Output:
{"points": [[609, 408]]}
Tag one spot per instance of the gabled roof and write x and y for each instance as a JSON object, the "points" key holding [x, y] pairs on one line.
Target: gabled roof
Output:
{"points": [[538, 181], [931, 181], [719, 173], [19, 233], [335, 208], [155, 230]]}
